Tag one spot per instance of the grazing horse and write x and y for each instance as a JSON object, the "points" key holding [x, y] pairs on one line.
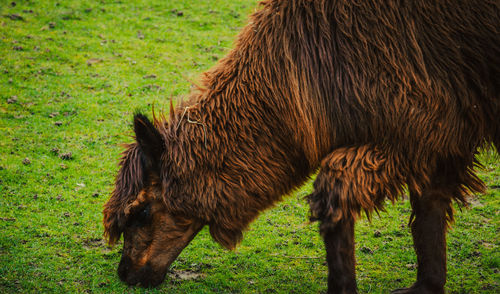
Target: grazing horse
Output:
{"points": [[376, 96]]}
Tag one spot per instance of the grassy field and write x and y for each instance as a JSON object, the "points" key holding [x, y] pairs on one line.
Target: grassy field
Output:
{"points": [[71, 75]]}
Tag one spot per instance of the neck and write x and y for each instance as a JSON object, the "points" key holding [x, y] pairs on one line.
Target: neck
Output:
{"points": [[229, 161], [247, 137]]}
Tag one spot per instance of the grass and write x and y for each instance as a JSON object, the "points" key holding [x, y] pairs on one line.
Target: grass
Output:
{"points": [[71, 75]]}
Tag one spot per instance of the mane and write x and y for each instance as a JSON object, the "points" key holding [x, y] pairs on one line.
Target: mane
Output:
{"points": [[129, 182]]}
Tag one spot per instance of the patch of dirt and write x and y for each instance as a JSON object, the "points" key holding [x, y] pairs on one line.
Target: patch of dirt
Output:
{"points": [[91, 243], [487, 244], [12, 100], [14, 16], [153, 87], [411, 266], [474, 202], [8, 219], [66, 156], [92, 61], [177, 12], [366, 250], [184, 275]]}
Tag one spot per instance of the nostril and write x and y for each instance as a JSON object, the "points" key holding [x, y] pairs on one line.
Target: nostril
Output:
{"points": [[124, 267], [150, 277], [145, 274]]}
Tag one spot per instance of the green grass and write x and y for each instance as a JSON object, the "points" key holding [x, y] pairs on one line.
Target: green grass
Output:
{"points": [[71, 75]]}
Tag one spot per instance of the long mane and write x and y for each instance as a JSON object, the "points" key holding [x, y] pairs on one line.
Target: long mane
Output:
{"points": [[129, 182]]}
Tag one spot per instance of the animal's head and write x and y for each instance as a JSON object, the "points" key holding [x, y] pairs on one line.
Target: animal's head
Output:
{"points": [[153, 236]]}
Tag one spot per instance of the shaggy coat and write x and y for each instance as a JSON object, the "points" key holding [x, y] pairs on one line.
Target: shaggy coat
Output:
{"points": [[378, 95]]}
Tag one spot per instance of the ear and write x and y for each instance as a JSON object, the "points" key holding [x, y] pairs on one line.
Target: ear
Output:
{"points": [[148, 138]]}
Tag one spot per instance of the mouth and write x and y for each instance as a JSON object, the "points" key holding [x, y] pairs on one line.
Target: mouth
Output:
{"points": [[152, 274], [145, 276]]}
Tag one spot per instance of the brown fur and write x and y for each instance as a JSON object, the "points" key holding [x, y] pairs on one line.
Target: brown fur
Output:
{"points": [[377, 94]]}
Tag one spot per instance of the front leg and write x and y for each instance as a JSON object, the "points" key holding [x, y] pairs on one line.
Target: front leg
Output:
{"points": [[350, 180], [431, 211], [339, 243], [432, 215]]}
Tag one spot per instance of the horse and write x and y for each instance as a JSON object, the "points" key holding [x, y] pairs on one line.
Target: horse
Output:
{"points": [[377, 97]]}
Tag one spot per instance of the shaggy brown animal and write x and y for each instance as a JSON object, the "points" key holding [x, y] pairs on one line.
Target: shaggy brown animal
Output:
{"points": [[377, 95]]}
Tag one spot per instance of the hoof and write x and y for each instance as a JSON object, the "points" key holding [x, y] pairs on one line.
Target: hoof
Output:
{"points": [[419, 289], [404, 291]]}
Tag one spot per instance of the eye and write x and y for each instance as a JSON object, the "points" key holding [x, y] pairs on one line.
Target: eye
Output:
{"points": [[141, 216]]}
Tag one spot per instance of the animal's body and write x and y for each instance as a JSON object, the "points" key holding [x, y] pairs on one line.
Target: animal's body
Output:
{"points": [[376, 95]]}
